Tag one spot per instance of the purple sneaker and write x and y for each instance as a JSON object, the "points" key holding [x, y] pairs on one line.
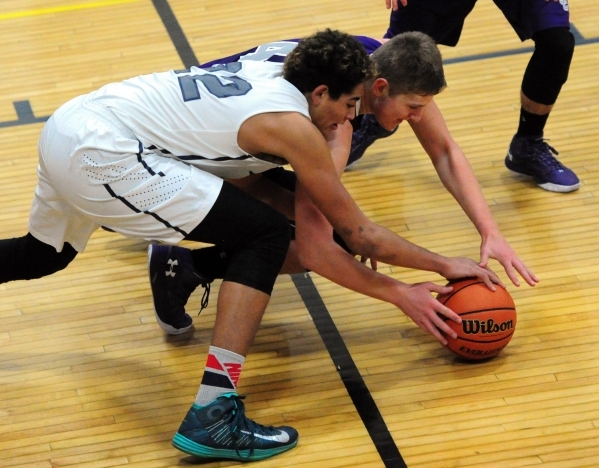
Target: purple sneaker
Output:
{"points": [[532, 156], [366, 132], [173, 279]]}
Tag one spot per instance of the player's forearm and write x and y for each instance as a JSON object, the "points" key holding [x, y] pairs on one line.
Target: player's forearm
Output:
{"points": [[318, 252], [401, 252], [458, 177], [453, 168], [367, 239], [343, 269]]}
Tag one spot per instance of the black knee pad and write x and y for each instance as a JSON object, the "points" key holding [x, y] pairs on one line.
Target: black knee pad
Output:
{"points": [[25, 258], [255, 236], [548, 67], [259, 262]]}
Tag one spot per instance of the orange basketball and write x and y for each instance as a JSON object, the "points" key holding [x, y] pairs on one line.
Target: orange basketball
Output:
{"points": [[488, 319]]}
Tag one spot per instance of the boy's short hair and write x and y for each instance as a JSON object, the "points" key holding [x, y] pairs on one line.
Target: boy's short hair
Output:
{"points": [[411, 62], [330, 58]]}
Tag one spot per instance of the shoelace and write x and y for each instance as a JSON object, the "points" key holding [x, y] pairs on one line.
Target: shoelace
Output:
{"points": [[541, 151], [243, 424], [205, 296]]}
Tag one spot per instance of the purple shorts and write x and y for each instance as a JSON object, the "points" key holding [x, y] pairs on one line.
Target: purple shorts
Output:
{"points": [[443, 20]]}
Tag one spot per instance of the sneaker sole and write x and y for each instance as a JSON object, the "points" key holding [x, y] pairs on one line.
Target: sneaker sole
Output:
{"points": [[193, 448], [165, 326], [550, 187], [559, 188]]}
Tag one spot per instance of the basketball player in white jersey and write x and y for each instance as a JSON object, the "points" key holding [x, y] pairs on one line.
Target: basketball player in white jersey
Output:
{"points": [[409, 74]]}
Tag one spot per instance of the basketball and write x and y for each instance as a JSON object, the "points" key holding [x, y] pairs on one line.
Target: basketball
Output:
{"points": [[488, 319]]}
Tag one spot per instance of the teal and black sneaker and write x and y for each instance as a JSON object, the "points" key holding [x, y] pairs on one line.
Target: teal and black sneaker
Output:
{"points": [[221, 430]]}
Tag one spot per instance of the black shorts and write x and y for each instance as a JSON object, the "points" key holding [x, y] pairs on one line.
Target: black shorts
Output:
{"points": [[443, 20]]}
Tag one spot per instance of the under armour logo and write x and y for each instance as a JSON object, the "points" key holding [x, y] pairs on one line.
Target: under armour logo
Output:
{"points": [[171, 264]]}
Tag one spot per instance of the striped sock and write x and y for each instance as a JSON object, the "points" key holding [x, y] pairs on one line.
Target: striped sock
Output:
{"points": [[221, 375]]}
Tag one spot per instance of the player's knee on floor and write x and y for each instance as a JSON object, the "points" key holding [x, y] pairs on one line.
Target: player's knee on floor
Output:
{"points": [[549, 65], [26, 258]]}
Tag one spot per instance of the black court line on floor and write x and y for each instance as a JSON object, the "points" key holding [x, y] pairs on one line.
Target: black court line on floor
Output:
{"points": [[176, 33], [24, 115], [349, 373]]}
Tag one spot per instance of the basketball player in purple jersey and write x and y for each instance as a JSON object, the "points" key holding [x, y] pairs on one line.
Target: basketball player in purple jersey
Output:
{"points": [[397, 95], [547, 23]]}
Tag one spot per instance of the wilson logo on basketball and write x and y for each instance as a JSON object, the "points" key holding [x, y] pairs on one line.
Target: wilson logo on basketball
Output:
{"points": [[474, 327]]}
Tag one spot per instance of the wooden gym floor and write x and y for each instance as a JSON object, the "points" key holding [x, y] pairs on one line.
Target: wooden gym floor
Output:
{"points": [[88, 380]]}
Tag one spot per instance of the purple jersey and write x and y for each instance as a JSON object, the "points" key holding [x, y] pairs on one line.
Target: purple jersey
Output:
{"points": [[277, 51]]}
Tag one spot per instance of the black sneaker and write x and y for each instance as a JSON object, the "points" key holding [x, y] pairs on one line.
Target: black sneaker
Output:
{"points": [[221, 430], [533, 157], [366, 131], [173, 279]]}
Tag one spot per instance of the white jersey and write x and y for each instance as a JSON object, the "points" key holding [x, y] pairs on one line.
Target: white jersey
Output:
{"points": [[146, 157], [195, 115]]}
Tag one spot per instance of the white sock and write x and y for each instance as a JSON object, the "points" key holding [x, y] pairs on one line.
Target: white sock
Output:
{"points": [[221, 375]]}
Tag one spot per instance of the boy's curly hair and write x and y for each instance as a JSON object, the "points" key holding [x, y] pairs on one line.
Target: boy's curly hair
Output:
{"points": [[330, 58]]}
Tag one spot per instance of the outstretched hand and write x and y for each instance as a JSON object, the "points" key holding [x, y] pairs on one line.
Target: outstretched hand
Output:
{"points": [[461, 267], [496, 247], [425, 311], [394, 3]]}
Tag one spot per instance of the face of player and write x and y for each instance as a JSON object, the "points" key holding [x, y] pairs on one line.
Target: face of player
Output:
{"points": [[327, 113], [391, 111]]}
